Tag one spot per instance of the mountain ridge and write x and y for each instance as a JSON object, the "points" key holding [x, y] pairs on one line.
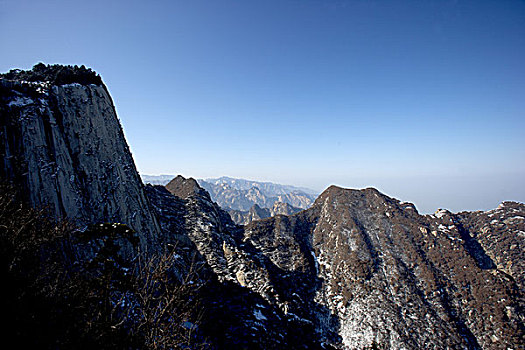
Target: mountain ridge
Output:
{"points": [[240, 195], [258, 213], [239, 183]]}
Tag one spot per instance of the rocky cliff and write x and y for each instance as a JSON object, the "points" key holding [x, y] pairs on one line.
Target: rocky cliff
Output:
{"points": [[363, 270], [396, 279], [242, 307], [64, 146]]}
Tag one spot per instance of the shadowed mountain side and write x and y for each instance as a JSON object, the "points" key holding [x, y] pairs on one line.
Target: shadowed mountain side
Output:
{"points": [[248, 286]]}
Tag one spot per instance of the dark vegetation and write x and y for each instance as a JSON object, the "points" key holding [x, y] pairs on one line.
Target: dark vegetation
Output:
{"points": [[66, 289], [55, 74]]}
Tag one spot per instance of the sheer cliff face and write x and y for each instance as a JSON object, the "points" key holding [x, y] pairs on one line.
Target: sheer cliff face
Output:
{"points": [[64, 145]]}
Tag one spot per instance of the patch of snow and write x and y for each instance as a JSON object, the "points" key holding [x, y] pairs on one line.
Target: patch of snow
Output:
{"points": [[442, 227], [21, 101], [71, 85], [440, 213], [259, 316], [315, 261]]}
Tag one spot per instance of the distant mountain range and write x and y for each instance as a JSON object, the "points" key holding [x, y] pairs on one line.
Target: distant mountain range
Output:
{"points": [[257, 213], [269, 188], [242, 195], [157, 179]]}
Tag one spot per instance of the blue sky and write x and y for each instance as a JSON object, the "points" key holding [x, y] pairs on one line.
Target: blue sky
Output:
{"points": [[424, 100]]}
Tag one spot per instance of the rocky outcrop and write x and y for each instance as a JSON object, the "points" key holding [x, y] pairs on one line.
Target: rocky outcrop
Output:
{"points": [[280, 208], [396, 279], [64, 146], [184, 188]]}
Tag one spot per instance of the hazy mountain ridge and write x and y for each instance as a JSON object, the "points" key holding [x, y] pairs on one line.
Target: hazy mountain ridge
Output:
{"points": [[157, 179], [269, 188], [238, 194], [356, 270], [248, 200], [258, 213]]}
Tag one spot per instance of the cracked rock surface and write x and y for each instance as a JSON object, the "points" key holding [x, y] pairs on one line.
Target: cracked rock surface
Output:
{"points": [[63, 144]]}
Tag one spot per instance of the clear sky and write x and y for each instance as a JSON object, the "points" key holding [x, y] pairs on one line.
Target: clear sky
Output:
{"points": [[424, 100]]}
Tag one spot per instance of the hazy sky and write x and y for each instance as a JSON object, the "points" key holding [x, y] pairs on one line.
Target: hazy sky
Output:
{"points": [[424, 100]]}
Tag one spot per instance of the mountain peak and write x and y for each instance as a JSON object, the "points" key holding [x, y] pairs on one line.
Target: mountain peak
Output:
{"points": [[55, 74], [184, 188], [334, 191]]}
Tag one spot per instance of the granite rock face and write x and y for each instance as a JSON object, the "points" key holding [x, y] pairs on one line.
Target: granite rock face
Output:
{"points": [[64, 146]]}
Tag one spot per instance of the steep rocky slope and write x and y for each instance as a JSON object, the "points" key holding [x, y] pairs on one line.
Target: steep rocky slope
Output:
{"points": [[64, 146], [398, 279], [242, 304], [363, 270]]}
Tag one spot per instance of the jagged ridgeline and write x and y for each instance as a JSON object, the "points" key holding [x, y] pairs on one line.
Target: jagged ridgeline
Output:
{"points": [[355, 270], [54, 75]]}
